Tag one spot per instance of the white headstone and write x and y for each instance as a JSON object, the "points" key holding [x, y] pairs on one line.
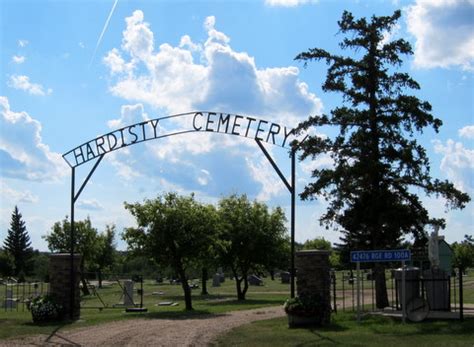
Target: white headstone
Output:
{"points": [[433, 248]]}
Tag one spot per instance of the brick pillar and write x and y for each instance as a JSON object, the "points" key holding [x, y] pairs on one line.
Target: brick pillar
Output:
{"points": [[60, 282], [314, 278]]}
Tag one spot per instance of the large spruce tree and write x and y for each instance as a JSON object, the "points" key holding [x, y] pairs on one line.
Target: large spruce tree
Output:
{"points": [[18, 244], [379, 166]]}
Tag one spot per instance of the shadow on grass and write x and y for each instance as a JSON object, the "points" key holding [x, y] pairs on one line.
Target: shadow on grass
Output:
{"points": [[445, 327]]}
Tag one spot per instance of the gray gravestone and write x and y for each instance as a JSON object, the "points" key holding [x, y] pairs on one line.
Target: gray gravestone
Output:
{"points": [[255, 280], [9, 301], [285, 277], [128, 293], [216, 280]]}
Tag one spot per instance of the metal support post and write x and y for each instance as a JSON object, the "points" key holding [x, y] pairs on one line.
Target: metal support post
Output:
{"points": [[292, 189], [461, 296], [293, 193], [404, 304], [358, 292], [72, 240], [74, 198]]}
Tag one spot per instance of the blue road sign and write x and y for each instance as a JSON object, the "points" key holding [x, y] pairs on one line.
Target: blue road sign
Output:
{"points": [[382, 255]]}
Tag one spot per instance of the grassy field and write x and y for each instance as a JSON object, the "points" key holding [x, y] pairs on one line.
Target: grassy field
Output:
{"points": [[221, 299], [344, 331]]}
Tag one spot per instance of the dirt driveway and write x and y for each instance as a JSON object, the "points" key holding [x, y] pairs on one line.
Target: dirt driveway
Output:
{"points": [[195, 331]]}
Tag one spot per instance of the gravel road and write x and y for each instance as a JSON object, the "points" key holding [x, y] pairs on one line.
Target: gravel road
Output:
{"points": [[194, 331]]}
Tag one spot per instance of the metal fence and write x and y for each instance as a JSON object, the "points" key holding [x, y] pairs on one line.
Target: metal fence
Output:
{"points": [[443, 295], [14, 296], [108, 290]]}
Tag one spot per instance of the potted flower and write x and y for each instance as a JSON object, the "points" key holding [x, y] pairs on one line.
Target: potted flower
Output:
{"points": [[44, 308], [308, 310]]}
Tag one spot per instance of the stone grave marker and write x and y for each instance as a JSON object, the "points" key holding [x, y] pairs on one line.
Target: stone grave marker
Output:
{"points": [[128, 293], [10, 302], [216, 280]]}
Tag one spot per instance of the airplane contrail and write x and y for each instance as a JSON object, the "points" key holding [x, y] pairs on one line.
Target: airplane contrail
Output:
{"points": [[103, 31]]}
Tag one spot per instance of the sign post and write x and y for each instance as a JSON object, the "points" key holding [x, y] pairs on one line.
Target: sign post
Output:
{"points": [[358, 292], [381, 256], [404, 306]]}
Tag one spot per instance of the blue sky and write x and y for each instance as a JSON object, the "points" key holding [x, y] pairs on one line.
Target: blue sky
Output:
{"points": [[73, 70]]}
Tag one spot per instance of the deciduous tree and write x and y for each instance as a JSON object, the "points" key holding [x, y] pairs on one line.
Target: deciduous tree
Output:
{"points": [[250, 234], [174, 230], [86, 243]]}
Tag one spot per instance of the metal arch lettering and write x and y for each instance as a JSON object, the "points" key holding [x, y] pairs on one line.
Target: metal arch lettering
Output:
{"points": [[199, 121]]}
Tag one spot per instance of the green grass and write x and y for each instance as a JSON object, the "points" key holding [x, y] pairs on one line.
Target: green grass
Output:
{"points": [[344, 331], [220, 299]]}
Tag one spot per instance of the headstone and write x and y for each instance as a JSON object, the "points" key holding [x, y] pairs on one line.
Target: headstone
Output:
{"points": [[285, 277], [412, 283], [222, 277], [437, 289], [255, 280], [433, 248], [216, 280], [36, 289], [128, 293], [9, 301]]}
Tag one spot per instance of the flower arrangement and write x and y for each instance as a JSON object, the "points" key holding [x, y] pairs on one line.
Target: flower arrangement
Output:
{"points": [[304, 306], [44, 309]]}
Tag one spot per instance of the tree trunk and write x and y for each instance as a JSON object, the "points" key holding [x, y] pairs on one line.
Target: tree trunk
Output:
{"points": [[204, 282], [246, 286], [85, 288], [99, 276], [381, 296], [186, 289], [272, 274], [238, 283]]}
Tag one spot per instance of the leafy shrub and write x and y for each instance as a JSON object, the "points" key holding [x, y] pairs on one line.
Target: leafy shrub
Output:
{"points": [[305, 306], [45, 309]]}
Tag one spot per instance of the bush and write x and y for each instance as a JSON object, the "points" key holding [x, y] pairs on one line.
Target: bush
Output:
{"points": [[45, 309], [305, 306]]}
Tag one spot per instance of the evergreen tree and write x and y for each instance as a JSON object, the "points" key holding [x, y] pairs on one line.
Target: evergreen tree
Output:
{"points": [[378, 163], [18, 244]]}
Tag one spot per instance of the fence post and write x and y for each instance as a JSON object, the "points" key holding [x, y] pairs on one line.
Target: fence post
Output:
{"points": [[461, 297], [334, 291]]}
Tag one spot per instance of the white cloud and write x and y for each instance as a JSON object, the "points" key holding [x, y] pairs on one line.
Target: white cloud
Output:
{"points": [[204, 177], [22, 82], [18, 59], [192, 76], [321, 162], [91, 205], [15, 196], [457, 164], [262, 171], [289, 3], [81, 44], [444, 32], [23, 155], [467, 132], [22, 43], [213, 76]]}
